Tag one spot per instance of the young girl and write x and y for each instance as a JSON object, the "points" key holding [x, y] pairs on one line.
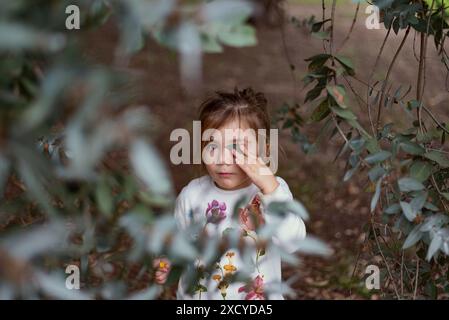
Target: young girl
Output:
{"points": [[235, 172]]}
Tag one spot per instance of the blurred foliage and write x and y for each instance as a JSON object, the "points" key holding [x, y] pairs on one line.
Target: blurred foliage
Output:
{"points": [[406, 168], [80, 179]]}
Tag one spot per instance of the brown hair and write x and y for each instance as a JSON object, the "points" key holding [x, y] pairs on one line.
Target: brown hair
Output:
{"points": [[246, 105]]}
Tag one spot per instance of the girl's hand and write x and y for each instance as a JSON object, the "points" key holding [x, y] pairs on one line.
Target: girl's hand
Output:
{"points": [[162, 267], [255, 168]]}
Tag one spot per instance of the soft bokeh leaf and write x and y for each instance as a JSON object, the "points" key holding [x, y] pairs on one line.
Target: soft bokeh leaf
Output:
{"points": [[149, 168], [17, 37], [409, 184], [314, 246], [413, 237]]}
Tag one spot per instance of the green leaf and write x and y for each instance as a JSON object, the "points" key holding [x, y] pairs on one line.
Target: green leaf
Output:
{"points": [[231, 12], [312, 245], [314, 93], [180, 248], [317, 61], [317, 25], [321, 111], [104, 198], [435, 244], [408, 211], [376, 172], [238, 36], [435, 221], [438, 157], [409, 184], [210, 44], [338, 93], [16, 37], [344, 113], [420, 170], [149, 167], [393, 209], [412, 148], [284, 207], [378, 157], [413, 237], [150, 293], [54, 285], [350, 173], [346, 63], [430, 206], [321, 35], [418, 201], [376, 195]]}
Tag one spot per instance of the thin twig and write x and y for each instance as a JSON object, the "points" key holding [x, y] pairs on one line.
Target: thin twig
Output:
{"points": [[421, 82], [351, 28], [416, 278], [396, 100], [402, 273], [287, 54], [388, 76], [331, 44], [434, 119], [386, 263], [370, 78], [323, 7]]}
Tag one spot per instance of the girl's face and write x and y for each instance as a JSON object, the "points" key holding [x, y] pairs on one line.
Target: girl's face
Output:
{"points": [[223, 169]]}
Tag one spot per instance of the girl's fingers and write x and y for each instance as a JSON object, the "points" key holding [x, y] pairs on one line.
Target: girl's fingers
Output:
{"points": [[249, 158], [161, 277], [240, 158], [160, 280]]}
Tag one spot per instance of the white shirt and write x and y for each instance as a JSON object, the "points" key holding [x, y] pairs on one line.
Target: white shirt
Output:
{"points": [[192, 204]]}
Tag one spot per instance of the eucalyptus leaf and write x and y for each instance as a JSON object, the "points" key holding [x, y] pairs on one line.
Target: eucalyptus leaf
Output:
{"points": [[413, 237], [378, 157], [409, 184], [376, 195], [420, 170], [408, 211], [149, 167], [438, 157]]}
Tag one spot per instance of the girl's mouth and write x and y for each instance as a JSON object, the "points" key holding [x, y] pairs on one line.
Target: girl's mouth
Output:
{"points": [[225, 174]]}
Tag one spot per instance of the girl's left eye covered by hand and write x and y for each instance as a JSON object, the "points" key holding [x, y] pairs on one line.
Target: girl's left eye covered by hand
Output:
{"points": [[235, 146]]}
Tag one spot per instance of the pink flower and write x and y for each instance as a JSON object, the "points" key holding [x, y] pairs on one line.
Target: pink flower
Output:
{"points": [[255, 290], [251, 217], [215, 212]]}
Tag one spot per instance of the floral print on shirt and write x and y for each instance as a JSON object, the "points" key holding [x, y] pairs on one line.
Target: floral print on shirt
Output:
{"points": [[250, 219]]}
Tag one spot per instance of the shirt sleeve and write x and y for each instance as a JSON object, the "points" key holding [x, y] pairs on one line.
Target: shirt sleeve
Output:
{"points": [[292, 228], [182, 209]]}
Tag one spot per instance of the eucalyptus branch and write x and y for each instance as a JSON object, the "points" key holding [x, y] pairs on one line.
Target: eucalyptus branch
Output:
{"points": [[416, 278], [397, 100], [388, 76], [286, 53], [323, 7], [422, 69], [385, 261], [354, 19], [370, 78], [331, 44]]}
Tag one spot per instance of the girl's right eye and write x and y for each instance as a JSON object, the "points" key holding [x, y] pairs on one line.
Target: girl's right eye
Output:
{"points": [[212, 146]]}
